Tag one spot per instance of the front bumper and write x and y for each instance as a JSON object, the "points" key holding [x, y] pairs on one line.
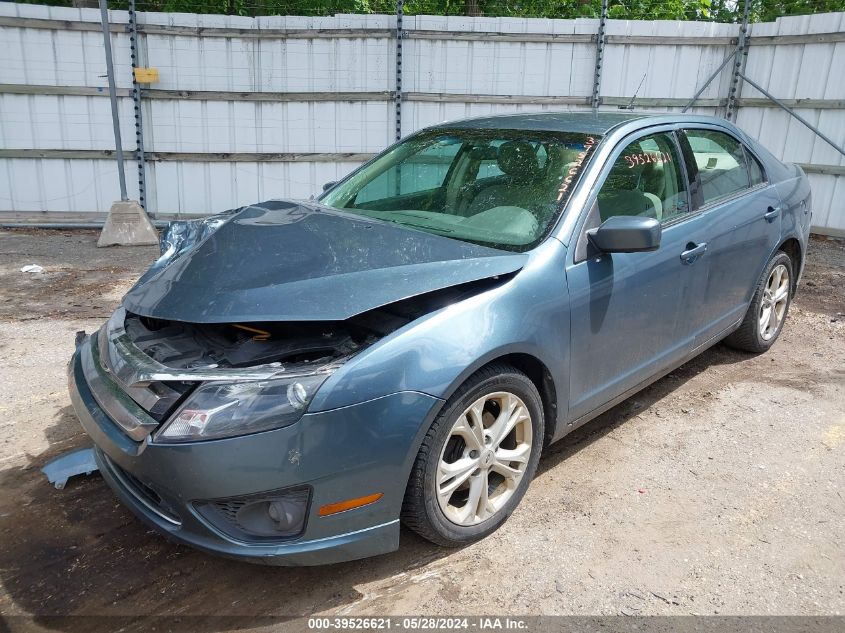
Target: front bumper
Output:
{"points": [[340, 454]]}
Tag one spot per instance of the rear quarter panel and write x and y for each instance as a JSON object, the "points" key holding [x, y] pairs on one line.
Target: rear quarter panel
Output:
{"points": [[792, 185], [793, 188]]}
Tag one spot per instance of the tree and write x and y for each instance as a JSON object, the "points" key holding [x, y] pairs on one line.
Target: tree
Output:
{"points": [[711, 10]]}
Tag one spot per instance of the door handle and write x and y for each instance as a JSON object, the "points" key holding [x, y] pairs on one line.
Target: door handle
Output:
{"points": [[771, 213], [693, 252]]}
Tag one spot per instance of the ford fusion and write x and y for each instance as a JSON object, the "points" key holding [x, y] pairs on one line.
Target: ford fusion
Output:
{"points": [[290, 381]]}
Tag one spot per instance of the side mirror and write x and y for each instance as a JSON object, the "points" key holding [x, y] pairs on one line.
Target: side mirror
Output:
{"points": [[329, 185], [626, 234]]}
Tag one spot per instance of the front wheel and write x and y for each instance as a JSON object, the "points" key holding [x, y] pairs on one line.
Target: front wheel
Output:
{"points": [[477, 459], [765, 317]]}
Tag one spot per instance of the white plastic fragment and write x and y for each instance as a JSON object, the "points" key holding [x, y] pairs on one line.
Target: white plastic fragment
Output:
{"points": [[32, 268], [78, 462]]}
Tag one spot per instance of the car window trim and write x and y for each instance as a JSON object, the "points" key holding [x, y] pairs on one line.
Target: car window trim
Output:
{"points": [[685, 177], [749, 155]]}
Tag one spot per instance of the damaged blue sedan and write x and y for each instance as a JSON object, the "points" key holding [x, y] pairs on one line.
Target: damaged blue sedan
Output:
{"points": [[290, 381]]}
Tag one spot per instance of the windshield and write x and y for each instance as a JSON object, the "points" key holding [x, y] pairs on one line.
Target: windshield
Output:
{"points": [[499, 188]]}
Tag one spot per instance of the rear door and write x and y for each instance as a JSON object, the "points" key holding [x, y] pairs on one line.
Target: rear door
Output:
{"points": [[635, 314], [742, 215]]}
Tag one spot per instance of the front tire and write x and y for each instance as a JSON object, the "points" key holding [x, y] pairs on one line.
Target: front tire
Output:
{"points": [[766, 315], [477, 459]]}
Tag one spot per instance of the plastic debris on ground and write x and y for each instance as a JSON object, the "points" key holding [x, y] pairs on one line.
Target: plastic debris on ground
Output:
{"points": [[63, 467]]}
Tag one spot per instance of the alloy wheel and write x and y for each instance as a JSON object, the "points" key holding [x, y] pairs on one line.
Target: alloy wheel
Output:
{"points": [[775, 299], [484, 458]]}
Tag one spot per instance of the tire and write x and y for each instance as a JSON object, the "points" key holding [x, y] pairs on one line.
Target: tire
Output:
{"points": [[475, 453], [753, 335]]}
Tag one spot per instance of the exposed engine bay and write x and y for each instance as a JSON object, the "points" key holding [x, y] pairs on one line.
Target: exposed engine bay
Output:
{"points": [[188, 345], [289, 348], [180, 345]]}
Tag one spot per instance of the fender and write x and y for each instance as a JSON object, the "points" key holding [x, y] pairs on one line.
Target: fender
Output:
{"points": [[465, 336]]}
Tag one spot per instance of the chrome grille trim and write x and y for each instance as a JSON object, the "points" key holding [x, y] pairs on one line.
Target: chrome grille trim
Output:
{"points": [[131, 367], [144, 396], [114, 402]]}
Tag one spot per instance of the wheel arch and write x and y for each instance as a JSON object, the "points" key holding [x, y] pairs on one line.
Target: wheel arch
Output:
{"points": [[792, 247], [532, 366]]}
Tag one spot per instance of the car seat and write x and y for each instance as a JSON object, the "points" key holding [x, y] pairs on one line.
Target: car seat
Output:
{"points": [[518, 161]]}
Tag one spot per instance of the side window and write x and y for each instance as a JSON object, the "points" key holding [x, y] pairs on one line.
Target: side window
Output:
{"points": [[720, 160], [423, 172], [755, 170], [646, 179]]}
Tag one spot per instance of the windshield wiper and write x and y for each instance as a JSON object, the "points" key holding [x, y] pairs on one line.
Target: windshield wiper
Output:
{"points": [[423, 226]]}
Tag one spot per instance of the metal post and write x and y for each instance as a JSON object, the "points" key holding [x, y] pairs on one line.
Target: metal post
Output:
{"points": [[740, 57], [599, 55], [136, 101], [118, 147], [400, 13], [783, 106]]}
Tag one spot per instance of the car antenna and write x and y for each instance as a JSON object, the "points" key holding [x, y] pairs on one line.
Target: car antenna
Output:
{"points": [[630, 105]]}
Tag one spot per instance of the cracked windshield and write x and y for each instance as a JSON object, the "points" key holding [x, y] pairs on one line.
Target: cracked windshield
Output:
{"points": [[494, 188]]}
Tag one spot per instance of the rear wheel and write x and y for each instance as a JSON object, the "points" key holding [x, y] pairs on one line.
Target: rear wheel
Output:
{"points": [[765, 317], [477, 459]]}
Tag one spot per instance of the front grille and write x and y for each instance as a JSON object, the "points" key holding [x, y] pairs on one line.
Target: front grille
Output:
{"points": [[113, 401], [158, 399], [144, 493]]}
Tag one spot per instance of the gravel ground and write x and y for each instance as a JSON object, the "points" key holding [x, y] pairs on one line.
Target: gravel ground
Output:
{"points": [[718, 489]]}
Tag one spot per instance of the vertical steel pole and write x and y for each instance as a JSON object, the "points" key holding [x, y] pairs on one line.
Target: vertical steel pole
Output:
{"points": [[400, 13], [136, 100], [118, 147], [739, 63], [599, 56]]}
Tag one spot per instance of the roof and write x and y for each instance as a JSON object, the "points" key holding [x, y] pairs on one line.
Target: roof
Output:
{"points": [[566, 121]]}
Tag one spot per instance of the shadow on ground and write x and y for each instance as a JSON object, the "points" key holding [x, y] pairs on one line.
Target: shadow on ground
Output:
{"points": [[78, 551]]}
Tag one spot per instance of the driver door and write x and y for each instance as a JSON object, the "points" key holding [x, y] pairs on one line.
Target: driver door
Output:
{"points": [[634, 315]]}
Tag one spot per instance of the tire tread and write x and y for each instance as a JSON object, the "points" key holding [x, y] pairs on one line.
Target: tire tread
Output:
{"points": [[414, 514], [746, 337]]}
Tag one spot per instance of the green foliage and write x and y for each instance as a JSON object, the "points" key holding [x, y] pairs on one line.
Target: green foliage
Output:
{"points": [[711, 10]]}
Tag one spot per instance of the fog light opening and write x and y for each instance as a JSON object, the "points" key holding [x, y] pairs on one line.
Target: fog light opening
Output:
{"points": [[262, 517]]}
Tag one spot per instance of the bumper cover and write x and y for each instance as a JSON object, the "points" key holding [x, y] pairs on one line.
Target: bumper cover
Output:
{"points": [[341, 454]]}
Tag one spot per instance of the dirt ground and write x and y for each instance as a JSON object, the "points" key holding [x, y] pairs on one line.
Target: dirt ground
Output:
{"points": [[719, 489]]}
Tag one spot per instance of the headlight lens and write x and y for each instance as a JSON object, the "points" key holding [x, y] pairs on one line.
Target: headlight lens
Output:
{"points": [[217, 410]]}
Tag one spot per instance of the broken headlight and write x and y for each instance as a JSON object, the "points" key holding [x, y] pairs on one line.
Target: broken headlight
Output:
{"points": [[216, 410]]}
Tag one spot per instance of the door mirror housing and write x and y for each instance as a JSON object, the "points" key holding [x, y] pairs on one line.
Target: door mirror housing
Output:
{"points": [[329, 185], [626, 234]]}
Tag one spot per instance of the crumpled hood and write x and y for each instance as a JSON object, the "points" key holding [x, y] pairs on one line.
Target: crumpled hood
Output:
{"points": [[295, 261]]}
